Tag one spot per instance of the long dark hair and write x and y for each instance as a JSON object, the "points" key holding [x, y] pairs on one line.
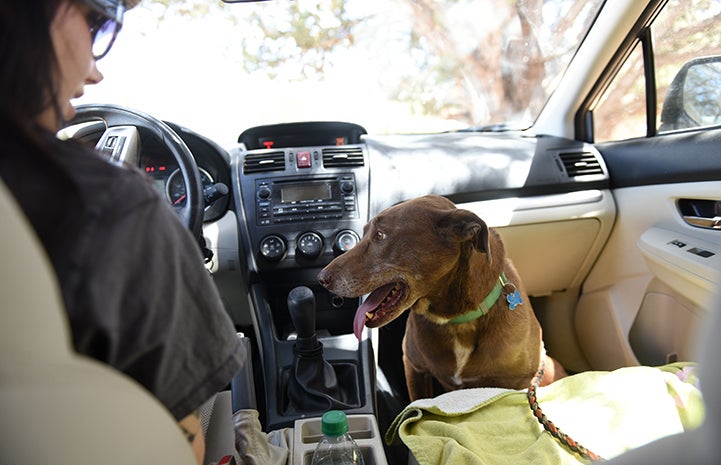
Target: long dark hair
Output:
{"points": [[29, 63], [28, 71]]}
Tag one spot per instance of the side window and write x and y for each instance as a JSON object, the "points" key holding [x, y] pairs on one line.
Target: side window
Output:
{"points": [[621, 112], [687, 55]]}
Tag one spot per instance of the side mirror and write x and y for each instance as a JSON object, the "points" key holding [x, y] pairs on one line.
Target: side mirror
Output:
{"points": [[694, 97]]}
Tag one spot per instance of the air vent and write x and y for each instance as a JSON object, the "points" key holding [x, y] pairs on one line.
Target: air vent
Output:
{"points": [[342, 156], [580, 164], [261, 162]]}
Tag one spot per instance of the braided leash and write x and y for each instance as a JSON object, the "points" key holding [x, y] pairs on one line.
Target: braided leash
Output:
{"points": [[548, 424]]}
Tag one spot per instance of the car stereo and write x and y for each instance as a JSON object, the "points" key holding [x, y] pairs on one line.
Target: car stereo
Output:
{"points": [[283, 200]]}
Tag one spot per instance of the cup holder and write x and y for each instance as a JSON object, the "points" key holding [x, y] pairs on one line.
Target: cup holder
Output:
{"points": [[362, 428]]}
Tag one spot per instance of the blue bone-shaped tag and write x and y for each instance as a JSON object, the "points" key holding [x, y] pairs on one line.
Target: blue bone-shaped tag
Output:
{"points": [[514, 299]]}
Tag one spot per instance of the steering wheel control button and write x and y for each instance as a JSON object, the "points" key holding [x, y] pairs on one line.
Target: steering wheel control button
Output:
{"points": [[345, 240], [273, 248], [309, 244], [120, 144]]}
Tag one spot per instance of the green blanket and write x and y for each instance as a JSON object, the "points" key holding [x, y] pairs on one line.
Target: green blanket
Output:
{"points": [[607, 412]]}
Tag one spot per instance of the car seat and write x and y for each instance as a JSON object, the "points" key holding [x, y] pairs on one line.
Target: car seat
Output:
{"points": [[58, 406], [697, 446]]}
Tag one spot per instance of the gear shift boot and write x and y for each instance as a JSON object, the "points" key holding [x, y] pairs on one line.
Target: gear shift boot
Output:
{"points": [[314, 384], [308, 390]]}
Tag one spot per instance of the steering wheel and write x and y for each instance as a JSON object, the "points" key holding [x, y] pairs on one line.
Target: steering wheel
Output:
{"points": [[121, 142]]}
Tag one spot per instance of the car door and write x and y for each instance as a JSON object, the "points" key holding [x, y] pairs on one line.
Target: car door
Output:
{"points": [[651, 288]]}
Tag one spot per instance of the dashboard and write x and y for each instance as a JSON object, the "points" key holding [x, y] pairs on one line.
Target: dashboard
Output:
{"points": [[304, 191], [302, 134], [169, 181], [300, 194], [162, 168]]}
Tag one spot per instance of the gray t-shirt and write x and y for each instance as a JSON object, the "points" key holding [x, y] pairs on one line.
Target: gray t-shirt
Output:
{"points": [[132, 277]]}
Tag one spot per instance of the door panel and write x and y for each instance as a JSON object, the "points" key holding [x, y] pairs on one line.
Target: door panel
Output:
{"points": [[672, 158], [653, 283]]}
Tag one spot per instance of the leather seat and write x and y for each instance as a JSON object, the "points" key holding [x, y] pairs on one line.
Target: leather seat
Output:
{"points": [[58, 406]]}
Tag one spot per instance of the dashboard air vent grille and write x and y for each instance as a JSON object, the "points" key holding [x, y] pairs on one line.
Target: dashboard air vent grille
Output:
{"points": [[580, 164], [261, 162], [342, 156]]}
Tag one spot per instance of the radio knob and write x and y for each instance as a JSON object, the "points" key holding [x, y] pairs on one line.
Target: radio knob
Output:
{"points": [[309, 244], [345, 240], [347, 187], [264, 193], [273, 248]]}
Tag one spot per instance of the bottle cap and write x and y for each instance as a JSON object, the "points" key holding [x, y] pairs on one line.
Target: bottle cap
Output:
{"points": [[334, 423]]}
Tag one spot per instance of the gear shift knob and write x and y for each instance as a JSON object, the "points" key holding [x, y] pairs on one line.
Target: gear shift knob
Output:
{"points": [[301, 305], [313, 385]]}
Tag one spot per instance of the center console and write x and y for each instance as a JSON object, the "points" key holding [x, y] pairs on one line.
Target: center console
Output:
{"points": [[302, 194]]}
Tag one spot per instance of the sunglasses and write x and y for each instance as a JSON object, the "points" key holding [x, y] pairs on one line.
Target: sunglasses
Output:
{"points": [[104, 30]]}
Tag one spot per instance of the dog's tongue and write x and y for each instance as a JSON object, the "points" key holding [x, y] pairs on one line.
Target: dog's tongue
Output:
{"points": [[371, 303]]}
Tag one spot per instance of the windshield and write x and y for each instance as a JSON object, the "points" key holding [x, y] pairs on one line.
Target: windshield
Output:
{"points": [[392, 66]]}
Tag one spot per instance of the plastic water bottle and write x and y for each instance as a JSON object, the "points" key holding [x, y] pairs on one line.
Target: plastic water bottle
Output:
{"points": [[336, 447]]}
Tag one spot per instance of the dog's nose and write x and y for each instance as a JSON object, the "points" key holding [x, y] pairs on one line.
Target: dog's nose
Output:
{"points": [[324, 278]]}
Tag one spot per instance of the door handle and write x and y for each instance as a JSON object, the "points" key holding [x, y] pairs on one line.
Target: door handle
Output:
{"points": [[702, 222], [702, 213]]}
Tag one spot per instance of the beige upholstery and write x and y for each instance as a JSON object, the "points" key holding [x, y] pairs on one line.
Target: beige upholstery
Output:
{"points": [[58, 407], [698, 447]]}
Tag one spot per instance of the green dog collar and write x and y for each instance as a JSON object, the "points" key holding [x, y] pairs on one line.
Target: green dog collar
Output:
{"points": [[514, 299]]}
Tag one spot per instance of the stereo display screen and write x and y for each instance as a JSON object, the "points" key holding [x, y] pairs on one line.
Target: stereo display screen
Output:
{"points": [[305, 192]]}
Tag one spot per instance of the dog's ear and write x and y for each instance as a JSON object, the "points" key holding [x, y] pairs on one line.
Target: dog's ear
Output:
{"points": [[462, 226]]}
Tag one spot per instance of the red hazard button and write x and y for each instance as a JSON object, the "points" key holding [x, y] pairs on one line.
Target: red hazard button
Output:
{"points": [[303, 160]]}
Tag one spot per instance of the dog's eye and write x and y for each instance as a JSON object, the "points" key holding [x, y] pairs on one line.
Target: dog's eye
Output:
{"points": [[379, 236]]}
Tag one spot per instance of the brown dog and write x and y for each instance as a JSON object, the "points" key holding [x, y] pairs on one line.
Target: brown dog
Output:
{"points": [[471, 323]]}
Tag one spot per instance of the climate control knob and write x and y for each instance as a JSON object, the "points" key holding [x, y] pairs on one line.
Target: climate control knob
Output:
{"points": [[273, 248], [309, 244], [345, 240]]}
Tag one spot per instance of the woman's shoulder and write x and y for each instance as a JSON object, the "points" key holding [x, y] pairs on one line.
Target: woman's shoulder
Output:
{"points": [[105, 186]]}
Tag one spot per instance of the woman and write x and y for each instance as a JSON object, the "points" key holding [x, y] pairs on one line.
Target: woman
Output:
{"points": [[137, 294]]}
